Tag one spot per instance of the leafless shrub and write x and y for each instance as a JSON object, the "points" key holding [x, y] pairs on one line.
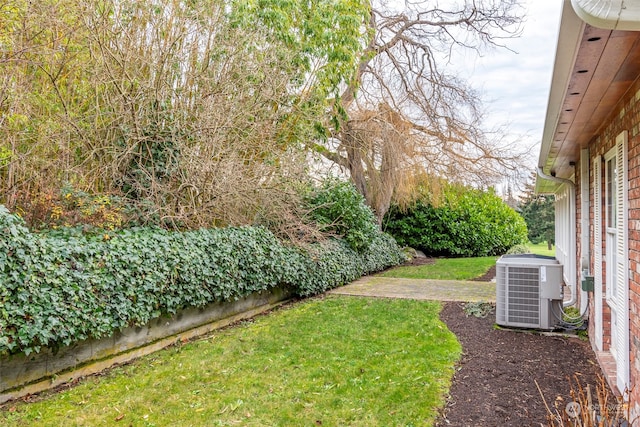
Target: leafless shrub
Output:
{"points": [[588, 407], [162, 102]]}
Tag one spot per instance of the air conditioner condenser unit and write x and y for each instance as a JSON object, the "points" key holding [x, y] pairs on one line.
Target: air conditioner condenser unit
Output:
{"points": [[528, 291]]}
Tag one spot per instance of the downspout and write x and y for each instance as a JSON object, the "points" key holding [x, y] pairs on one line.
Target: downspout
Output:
{"points": [[572, 202], [585, 244]]}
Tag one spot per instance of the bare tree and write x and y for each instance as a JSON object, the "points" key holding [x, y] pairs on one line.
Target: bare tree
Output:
{"points": [[165, 103], [40, 91], [405, 114], [173, 103]]}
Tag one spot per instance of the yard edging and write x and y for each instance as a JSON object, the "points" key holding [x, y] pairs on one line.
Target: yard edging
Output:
{"points": [[21, 375]]}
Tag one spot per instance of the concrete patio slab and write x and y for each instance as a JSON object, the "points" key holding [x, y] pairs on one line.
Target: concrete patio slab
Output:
{"points": [[421, 289]]}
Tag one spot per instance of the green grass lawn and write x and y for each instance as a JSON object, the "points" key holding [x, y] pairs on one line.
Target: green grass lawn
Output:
{"points": [[542, 249], [338, 361], [445, 269], [457, 268]]}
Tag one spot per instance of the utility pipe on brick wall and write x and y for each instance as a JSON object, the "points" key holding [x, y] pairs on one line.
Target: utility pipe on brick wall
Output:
{"points": [[585, 246], [572, 202]]}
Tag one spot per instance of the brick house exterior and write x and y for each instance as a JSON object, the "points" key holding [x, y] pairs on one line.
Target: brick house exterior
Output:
{"points": [[590, 159]]}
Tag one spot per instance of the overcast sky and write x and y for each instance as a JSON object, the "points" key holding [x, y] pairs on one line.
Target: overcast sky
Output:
{"points": [[515, 84]]}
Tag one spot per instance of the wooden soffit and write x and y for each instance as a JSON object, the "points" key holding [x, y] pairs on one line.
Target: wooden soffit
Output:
{"points": [[584, 96]]}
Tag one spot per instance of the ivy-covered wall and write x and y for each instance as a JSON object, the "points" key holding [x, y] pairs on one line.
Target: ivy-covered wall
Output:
{"points": [[60, 287]]}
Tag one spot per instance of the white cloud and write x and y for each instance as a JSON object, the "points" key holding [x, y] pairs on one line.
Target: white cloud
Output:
{"points": [[515, 82]]}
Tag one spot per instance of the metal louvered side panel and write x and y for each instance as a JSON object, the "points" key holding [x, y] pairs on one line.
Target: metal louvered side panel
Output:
{"points": [[518, 296], [501, 294], [523, 296]]}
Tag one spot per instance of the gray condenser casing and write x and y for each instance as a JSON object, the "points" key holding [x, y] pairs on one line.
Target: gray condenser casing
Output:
{"points": [[528, 291]]}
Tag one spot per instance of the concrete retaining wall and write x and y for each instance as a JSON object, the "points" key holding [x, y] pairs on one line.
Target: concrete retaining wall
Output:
{"points": [[21, 375]]}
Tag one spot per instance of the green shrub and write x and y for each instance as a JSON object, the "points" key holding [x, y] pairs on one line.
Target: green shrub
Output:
{"points": [[66, 285], [519, 249], [480, 309], [14, 240], [339, 209], [333, 263], [467, 222]]}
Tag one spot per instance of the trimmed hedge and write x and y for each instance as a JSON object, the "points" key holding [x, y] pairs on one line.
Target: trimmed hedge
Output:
{"points": [[64, 286], [466, 223]]}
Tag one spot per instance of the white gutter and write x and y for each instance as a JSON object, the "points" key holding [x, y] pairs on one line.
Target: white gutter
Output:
{"points": [[609, 14], [572, 203], [543, 175]]}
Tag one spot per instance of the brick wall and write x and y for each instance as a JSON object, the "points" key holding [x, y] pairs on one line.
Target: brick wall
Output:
{"points": [[626, 116], [634, 245]]}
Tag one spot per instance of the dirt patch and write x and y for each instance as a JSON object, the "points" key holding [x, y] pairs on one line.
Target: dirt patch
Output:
{"points": [[495, 382], [488, 276]]}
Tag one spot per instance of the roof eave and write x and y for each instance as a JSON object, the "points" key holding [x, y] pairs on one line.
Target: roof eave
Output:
{"points": [[569, 38], [577, 15]]}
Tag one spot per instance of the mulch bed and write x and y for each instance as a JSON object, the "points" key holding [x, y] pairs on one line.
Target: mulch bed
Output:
{"points": [[495, 384]]}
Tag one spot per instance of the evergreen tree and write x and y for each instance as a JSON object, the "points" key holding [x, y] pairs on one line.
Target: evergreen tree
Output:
{"points": [[538, 211]]}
